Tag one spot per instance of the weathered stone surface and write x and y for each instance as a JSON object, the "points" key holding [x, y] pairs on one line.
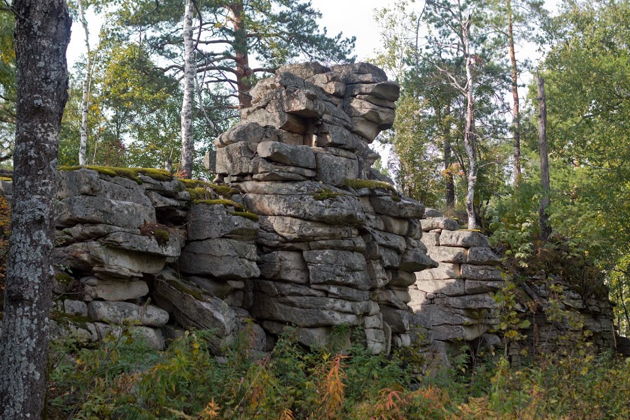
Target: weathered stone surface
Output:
{"points": [[334, 170], [75, 307], [480, 272], [405, 208], [338, 267], [385, 90], [398, 320], [115, 290], [145, 244], [222, 258], [438, 223], [302, 156], [272, 309], [96, 209], [342, 210], [84, 256], [198, 311], [415, 259], [247, 132], [127, 313], [454, 255], [450, 287], [236, 159], [442, 272], [482, 256], [293, 228], [463, 238], [284, 265], [213, 221]]}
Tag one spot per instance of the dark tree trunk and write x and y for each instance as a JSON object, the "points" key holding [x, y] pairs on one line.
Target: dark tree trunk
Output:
{"points": [[42, 33], [243, 71], [545, 228], [516, 113]]}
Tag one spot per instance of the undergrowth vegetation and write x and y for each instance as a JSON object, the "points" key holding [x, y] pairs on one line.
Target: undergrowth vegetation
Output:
{"points": [[123, 379]]}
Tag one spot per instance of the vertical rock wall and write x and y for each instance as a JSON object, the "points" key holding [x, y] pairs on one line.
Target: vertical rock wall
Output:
{"points": [[337, 244]]}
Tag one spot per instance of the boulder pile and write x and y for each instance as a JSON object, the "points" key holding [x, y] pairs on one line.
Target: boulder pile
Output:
{"points": [[454, 300], [337, 244]]}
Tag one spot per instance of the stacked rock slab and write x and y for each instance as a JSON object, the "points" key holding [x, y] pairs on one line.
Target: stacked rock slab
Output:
{"points": [[454, 300], [455, 303], [138, 252], [106, 253], [337, 244]]}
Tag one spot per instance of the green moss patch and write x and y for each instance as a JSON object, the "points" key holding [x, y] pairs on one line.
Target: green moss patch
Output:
{"points": [[220, 201], [326, 194], [131, 173], [247, 214], [200, 190], [357, 184]]}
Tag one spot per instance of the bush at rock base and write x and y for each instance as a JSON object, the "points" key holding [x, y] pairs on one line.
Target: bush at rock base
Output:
{"points": [[123, 379]]}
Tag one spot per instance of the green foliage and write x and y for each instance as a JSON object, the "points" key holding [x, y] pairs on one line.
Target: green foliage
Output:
{"points": [[123, 379]]}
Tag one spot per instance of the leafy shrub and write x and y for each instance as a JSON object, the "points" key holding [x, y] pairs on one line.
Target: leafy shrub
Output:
{"points": [[123, 379]]}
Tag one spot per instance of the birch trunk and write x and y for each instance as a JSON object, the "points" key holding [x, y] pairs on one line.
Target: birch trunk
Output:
{"points": [[188, 145], [545, 227], [469, 130], [516, 113], [241, 54], [85, 101], [42, 33]]}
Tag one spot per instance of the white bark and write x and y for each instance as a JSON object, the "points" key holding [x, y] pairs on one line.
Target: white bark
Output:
{"points": [[189, 86], [470, 141], [85, 101]]}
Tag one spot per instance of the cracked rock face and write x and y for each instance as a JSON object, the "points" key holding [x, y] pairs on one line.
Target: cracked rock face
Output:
{"points": [[336, 242]]}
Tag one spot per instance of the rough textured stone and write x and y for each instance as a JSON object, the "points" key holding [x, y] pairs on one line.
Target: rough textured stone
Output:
{"points": [[302, 156], [127, 313], [223, 258]]}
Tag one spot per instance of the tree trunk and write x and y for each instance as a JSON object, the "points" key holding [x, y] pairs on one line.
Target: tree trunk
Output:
{"points": [[42, 33], [85, 101], [516, 113], [189, 86], [241, 54], [469, 130], [545, 228], [448, 160]]}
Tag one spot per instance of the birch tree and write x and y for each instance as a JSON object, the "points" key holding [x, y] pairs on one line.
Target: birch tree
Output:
{"points": [[42, 34], [187, 153], [85, 99]]}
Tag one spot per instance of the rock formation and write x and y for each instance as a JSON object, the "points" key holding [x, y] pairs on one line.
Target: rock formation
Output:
{"points": [[455, 302], [337, 244], [296, 230]]}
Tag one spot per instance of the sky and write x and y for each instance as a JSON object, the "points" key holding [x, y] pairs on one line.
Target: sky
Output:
{"points": [[352, 17]]}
